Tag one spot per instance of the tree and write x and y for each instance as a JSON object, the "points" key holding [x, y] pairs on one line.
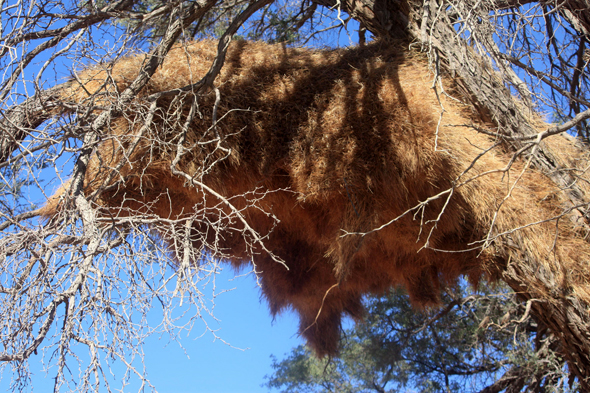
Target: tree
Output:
{"points": [[66, 278], [433, 24], [479, 341]]}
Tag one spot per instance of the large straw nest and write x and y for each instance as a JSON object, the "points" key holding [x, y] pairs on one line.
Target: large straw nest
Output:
{"points": [[344, 141]]}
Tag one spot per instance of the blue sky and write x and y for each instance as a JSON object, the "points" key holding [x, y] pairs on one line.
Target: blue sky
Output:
{"points": [[214, 366], [206, 364]]}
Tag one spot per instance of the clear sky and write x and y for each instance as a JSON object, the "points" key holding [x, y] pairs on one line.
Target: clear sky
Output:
{"points": [[214, 366], [205, 364]]}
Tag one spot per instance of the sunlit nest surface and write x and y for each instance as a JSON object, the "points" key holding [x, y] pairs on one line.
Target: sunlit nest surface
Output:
{"points": [[336, 172]]}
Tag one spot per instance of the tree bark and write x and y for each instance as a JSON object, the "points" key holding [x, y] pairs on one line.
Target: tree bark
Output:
{"points": [[17, 121], [429, 24]]}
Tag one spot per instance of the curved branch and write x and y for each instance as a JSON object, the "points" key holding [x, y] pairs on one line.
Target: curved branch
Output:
{"points": [[18, 121]]}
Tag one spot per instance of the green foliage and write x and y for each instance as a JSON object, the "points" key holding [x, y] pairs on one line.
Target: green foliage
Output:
{"points": [[476, 340]]}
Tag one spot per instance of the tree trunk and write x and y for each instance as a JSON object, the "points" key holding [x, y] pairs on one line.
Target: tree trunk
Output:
{"points": [[423, 22]]}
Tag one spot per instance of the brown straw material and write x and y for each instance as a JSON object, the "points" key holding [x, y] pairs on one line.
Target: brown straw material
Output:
{"points": [[341, 162]]}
